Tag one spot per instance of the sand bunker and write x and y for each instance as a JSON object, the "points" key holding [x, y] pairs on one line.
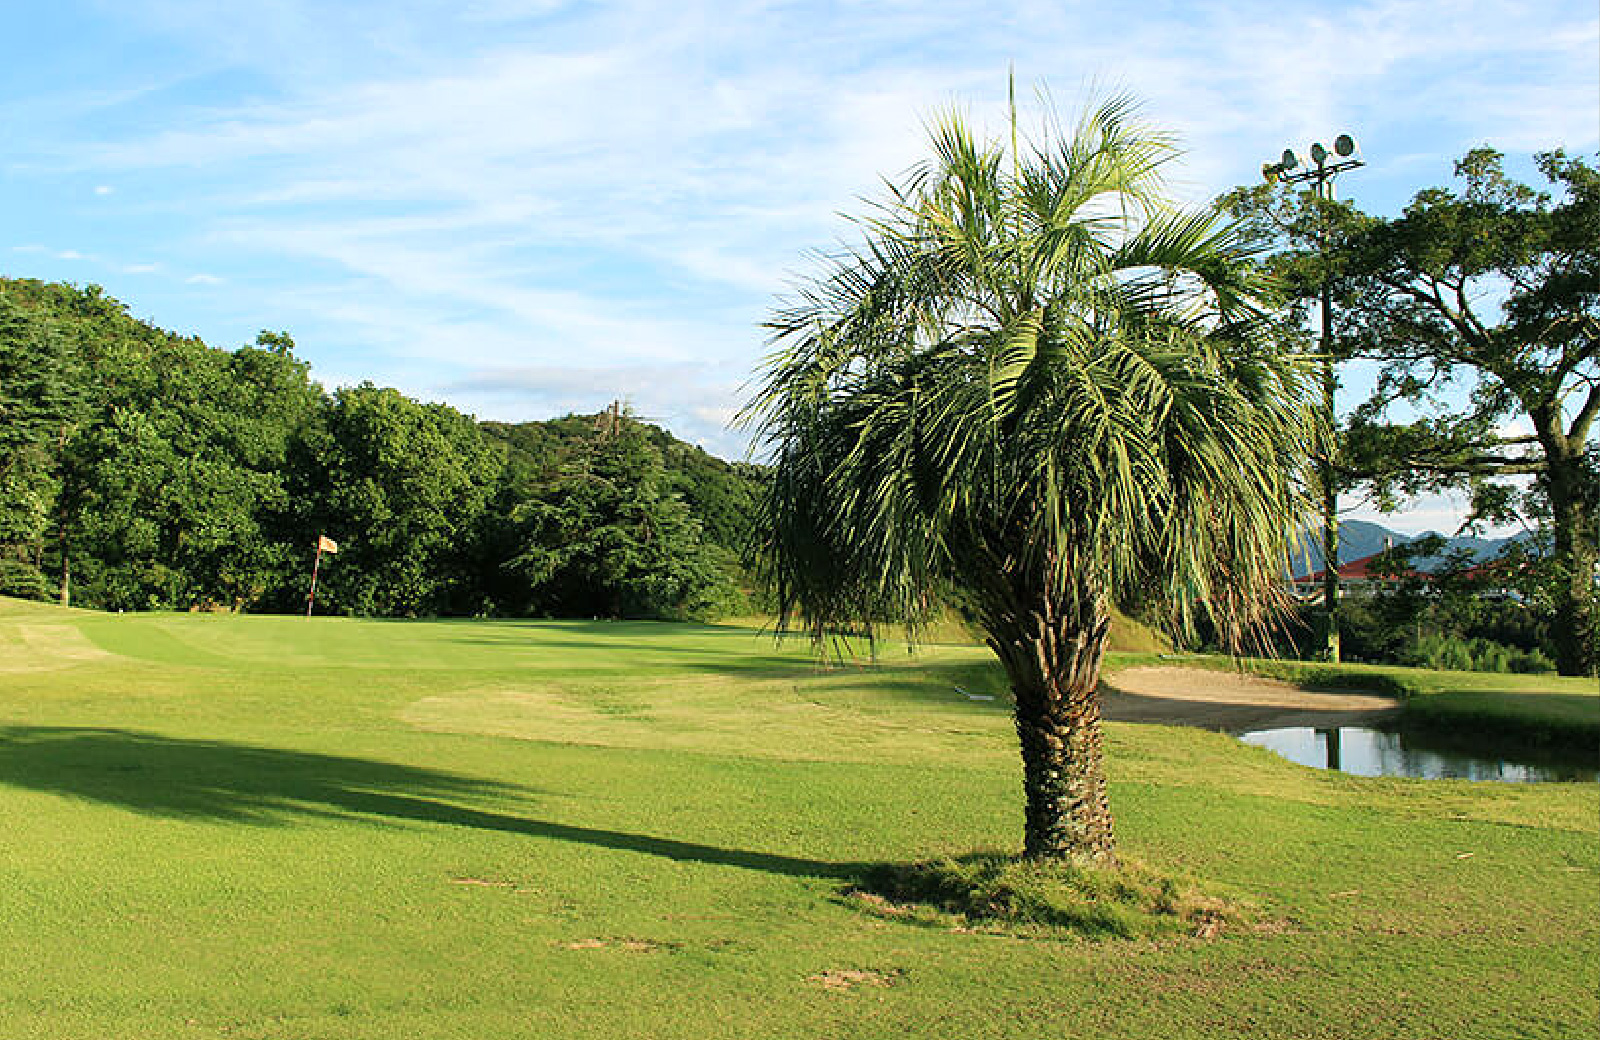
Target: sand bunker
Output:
{"points": [[1230, 701]]}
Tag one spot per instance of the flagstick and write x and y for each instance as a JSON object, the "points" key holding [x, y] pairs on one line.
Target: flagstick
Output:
{"points": [[316, 563]]}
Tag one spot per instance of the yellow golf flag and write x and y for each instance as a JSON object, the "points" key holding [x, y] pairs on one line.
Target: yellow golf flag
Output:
{"points": [[326, 544]]}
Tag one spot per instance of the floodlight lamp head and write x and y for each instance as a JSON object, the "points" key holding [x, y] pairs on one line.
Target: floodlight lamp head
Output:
{"points": [[1290, 160], [1344, 145], [1319, 154]]}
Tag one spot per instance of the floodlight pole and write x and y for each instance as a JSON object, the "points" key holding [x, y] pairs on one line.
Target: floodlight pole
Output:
{"points": [[1320, 176]]}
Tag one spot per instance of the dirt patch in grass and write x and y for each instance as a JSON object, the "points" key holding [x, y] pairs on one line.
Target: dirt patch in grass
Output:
{"points": [[1230, 701], [630, 945], [1007, 895], [482, 882], [842, 979]]}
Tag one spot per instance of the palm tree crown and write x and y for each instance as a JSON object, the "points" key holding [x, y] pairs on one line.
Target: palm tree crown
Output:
{"points": [[1039, 384]]}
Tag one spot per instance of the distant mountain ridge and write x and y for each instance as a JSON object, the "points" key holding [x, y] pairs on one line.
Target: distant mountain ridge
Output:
{"points": [[1360, 538]]}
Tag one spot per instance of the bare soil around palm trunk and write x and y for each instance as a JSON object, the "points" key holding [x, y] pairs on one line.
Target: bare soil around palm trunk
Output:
{"points": [[1231, 701]]}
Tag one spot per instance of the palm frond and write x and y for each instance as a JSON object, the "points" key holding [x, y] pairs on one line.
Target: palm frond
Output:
{"points": [[1034, 367]]}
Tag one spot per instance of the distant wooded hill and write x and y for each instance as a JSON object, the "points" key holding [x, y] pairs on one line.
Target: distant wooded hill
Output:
{"points": [[1359, 539], [141, 469]]}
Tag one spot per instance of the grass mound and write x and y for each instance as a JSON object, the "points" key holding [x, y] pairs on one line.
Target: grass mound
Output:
{"points": [[995, 893]]}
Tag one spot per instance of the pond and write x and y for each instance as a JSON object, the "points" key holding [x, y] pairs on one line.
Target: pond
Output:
{"points": [[1372, 752]]}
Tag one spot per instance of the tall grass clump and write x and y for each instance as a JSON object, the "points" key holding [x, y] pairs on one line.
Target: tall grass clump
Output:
{"points": [[1042, 897]]}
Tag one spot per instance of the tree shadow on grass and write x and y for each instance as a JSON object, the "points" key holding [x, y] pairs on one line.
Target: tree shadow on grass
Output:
{"points": [[222, 781]]}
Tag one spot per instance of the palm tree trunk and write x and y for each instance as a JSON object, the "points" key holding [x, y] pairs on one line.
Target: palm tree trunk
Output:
{"points": [[1053, 662]]}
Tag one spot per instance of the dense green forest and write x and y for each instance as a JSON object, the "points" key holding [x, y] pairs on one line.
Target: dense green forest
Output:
{"points": [[141, 469]]}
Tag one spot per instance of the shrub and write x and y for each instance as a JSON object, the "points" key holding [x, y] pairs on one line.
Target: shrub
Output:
{"points": [[22, 580], [1454, 653]]}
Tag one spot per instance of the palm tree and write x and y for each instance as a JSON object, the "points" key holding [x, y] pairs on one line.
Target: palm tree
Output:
{"points": [[1038, 385]]}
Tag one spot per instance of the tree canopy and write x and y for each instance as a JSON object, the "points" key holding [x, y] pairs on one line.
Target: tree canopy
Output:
{"points": [[603, 533]]}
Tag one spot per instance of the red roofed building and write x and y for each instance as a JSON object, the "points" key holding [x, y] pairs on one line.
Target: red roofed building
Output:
{"points": [[1496, 579], [1355, 577]]}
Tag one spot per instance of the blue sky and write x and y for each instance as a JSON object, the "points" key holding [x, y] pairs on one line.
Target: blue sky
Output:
{"points": [[528, 208]]}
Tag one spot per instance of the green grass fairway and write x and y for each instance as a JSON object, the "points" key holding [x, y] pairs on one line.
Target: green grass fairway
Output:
{"points": [[260, 827]]}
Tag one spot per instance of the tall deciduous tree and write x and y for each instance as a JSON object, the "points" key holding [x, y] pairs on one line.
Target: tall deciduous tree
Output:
{"points": [[1037, 381], [40, 398], [401, 486], [1481, 307]]}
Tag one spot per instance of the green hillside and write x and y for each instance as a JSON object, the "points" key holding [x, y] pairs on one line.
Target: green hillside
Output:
{"points": [[145, 470]]}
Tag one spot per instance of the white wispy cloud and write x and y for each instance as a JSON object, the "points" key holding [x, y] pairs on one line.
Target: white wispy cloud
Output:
{"points": [[425, 190]]}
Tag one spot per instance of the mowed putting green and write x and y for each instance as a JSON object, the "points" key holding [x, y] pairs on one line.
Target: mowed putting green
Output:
{"points": [[280, 828]]}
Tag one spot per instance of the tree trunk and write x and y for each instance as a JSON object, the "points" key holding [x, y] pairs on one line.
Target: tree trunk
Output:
{"points": [[65, 596], [1571, 488], [1576, 550], [1052, 658]]}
